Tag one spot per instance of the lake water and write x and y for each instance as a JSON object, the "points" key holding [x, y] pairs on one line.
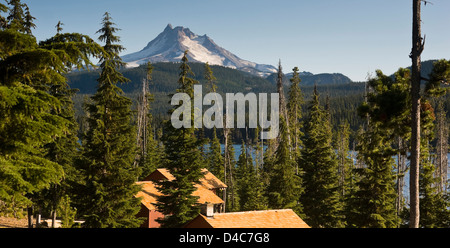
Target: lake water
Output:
{"points": [[237, 152]]}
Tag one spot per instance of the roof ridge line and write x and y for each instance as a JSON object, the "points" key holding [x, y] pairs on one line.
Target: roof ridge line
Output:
{"points": [[252, 211]]}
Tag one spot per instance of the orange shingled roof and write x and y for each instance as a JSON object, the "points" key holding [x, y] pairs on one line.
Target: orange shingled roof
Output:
{"points": [[284, 218], [209, 180], [206, 196], [149, 193], [160, 174]]}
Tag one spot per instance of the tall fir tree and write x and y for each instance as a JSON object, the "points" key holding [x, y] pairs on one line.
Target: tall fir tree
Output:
{"points": [[284, 187], [109, 144], [183, 160], [373, 203], [387, 109], [28, 20], [294, 109], [439, 76], [3, 21], [214, 156], [320, 198], [249, 186], [433, 206], [36, 106], [345, 164], [231, 195], [434, 200], [16, 17]]}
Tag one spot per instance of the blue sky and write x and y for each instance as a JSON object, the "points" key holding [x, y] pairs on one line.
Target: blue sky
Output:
{"points": [[353, 37]]}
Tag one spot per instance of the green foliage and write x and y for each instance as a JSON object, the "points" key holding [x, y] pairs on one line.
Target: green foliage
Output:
{"points": [[184, 161], [387, 110], [434, 212], [66, 212], [109, 146], [232, 198], [39, 143], [36, 106], [373, 203], [294, 109], [389, 103], [345, 163], [284, 187], [320, 198], [215, 158], [249, 186], [150, 148], [439, 75], [26, 127]]}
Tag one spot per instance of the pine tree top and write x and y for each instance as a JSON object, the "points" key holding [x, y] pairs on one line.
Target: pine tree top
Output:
{"points": [[107, 35]]}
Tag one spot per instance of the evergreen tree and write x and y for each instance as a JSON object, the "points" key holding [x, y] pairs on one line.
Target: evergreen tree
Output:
{"points": [[320, 199], [373, 204], [64, 150], [110, 144], [16, 17], [441, 150], [387, 109], [433, 207], [439, 76], [67, 212], [184, 162], [215, 159], [268, 160], [150, 152], [294, 109], [231, 194], [345, 164], [59, 27], [250, 188], [210, 78], [284, 188], [37, 107], [28, 20], [3, 22]]}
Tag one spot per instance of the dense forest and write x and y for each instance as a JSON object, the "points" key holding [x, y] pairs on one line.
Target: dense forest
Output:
{"points": [[75, 137], [343, 96]]}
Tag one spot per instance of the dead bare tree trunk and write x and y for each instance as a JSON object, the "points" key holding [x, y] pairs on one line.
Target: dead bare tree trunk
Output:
{"points": [[401, 170], [418, 46]]}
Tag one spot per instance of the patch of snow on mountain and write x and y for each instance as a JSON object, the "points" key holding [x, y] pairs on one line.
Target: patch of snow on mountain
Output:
{"points": [[200, 53], [147, 52]]}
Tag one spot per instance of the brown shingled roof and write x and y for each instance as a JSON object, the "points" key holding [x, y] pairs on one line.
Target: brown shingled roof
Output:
{"points": [[159, 174], [209, 180], [284, 218], [149, 192]]}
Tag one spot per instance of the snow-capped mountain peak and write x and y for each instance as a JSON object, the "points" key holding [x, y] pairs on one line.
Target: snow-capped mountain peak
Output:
{"points": [[169, 46]]}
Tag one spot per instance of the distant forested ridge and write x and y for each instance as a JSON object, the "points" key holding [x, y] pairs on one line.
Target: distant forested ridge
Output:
{"points": [[344, 96]]}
